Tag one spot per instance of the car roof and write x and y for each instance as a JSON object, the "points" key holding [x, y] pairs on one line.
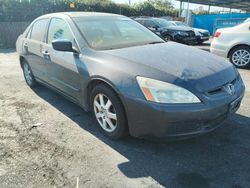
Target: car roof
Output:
{"points": [[80, 14], [149, 18]]}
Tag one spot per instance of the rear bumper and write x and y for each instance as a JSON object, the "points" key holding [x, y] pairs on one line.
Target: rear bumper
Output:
{"points": [[162, 121], [218, 52], [219, 49]]}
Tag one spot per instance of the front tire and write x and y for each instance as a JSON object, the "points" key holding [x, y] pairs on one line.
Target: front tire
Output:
{"points": [[167, 38], [240, 57], [108, 112], [28, 75]]}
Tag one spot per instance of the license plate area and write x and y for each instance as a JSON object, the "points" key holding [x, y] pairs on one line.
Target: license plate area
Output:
{"points": [[235, 105]]}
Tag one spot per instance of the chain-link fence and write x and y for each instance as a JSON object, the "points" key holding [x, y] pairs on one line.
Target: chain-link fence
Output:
{"points": [[9, 31], [16, 14]]}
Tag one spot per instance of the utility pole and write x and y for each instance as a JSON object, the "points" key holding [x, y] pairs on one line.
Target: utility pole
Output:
{"points": [[209, 7], [129, 2], [180, 8], [187, 13]]}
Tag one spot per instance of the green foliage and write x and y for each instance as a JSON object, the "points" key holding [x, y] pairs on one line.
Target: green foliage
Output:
{"points": [[27, 10], [156, 8]]}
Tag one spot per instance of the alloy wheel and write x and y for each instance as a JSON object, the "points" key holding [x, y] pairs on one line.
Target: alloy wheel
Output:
{"points": [[167, 38], [27, 73], [241, 57], [105, 112]]}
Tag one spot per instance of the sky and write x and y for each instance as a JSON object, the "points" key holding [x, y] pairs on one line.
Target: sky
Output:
{"points": [[177, 5]]}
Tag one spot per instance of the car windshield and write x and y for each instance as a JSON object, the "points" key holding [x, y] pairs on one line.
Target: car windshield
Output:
{"points": [[181, 24], [114, 32], [162, 22]]}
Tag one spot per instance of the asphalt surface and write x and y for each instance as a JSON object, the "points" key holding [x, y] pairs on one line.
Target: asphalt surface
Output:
{"points": [[47, 141]]}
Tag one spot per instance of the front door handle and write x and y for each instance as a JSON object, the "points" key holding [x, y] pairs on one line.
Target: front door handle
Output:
{"points": [[45, 53]]}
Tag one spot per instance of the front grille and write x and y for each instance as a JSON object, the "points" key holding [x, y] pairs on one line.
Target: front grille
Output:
{"points": [[205, 34], [221, 89]]}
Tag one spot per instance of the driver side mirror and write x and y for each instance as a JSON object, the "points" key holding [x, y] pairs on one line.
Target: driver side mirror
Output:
{"points": [[63, 45]]}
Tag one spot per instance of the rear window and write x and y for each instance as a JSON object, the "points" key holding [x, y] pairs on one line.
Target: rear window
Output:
{"points": [[38, 30]]}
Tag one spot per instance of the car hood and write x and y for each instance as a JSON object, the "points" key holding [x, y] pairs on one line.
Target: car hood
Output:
{"points": [[201, 30], [189, 66]]}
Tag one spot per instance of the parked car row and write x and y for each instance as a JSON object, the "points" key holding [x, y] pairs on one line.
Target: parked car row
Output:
{"points": [[233, 43], [201, 35], [174, 30]]}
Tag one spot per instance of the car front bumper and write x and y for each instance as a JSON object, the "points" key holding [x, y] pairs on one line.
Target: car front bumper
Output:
{"points": [[162, 121], [185, 39], [202, 38]]}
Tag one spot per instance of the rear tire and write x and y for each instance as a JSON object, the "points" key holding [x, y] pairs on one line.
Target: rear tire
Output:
{"points": [[108, 112], [28, 75], [240, 57]]}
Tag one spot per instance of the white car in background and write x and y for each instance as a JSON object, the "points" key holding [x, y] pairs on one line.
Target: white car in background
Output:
{"points": [[233, 43], [247, 20]]}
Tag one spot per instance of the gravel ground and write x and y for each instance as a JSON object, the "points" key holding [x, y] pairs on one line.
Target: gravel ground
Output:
{"points": [[47, 141]]}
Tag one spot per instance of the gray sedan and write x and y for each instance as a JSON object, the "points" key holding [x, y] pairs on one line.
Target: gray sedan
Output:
{"points": [[129, 78]]}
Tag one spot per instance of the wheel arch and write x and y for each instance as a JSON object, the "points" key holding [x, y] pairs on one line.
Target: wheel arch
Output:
{"points": [[94, 81], [165, 34], [21, 60], [236, 46], [100, 80]]}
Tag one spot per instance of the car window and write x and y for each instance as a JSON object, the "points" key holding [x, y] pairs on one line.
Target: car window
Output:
{"points": [[59, 29], [28, 35], [110, 33], [162, 22], [149, 23], [38, 30], [140, 21]]}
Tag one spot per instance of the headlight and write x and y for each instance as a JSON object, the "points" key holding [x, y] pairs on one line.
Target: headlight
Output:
{"points": [[163, 92], [198, 33]]}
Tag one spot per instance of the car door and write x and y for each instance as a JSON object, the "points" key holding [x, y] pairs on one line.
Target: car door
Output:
{"points": [[62, 67], [33, 45]]}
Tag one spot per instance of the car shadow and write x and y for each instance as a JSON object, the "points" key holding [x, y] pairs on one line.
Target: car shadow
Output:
{"points": [[219, 159]]}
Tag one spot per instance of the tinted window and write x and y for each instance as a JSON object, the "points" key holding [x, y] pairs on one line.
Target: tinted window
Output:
{"points": [[149, 23], [181, 24], [59, 29], [38, 30], [162, 22]]}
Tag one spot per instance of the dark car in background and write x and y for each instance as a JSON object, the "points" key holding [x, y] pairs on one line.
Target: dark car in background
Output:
{"points": [[167, 30], [129, 78], [201, 35]]}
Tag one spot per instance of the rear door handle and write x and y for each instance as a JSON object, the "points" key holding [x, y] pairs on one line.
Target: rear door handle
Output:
{"points": [[25, 44]]}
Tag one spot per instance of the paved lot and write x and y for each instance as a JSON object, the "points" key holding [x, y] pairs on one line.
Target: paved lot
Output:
{"points": [[46, 141]]}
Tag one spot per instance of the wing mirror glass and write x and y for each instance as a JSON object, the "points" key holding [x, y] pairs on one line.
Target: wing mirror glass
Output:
{"points": [[63, 45]]}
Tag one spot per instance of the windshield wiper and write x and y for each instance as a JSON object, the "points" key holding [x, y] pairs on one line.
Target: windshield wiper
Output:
{"points": [[156, 42]]}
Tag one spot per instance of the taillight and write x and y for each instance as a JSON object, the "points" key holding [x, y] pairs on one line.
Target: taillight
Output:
{"points": [[217, 34]]}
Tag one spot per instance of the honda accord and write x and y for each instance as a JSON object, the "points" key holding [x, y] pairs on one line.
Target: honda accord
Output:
{"points": [[131, 80]]}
